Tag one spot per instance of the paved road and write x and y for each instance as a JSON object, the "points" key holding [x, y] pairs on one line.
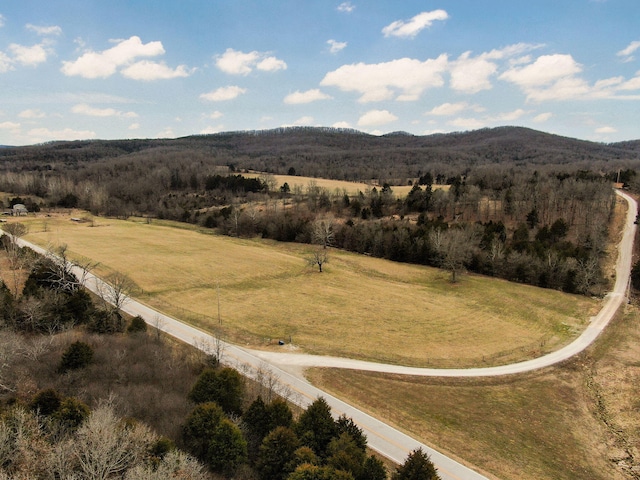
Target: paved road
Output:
{"points": [[383, 438], [597, 324]]}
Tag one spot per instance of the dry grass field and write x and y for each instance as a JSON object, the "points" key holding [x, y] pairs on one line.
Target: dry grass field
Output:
{"points": [[575, 421], [359, 306], [340, 186]]}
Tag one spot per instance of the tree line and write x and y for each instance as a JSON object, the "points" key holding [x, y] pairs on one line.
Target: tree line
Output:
{"points": [[528, 206]]}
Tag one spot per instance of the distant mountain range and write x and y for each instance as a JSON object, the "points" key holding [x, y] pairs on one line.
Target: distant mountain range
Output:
{"points": [[334, 153]]}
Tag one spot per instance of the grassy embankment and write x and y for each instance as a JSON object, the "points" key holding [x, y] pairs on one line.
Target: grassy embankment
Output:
{"points": [[359, 306]]}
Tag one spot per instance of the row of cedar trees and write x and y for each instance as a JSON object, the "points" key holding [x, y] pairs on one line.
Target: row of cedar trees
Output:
{"points": [[315, 446], [54, 435]]}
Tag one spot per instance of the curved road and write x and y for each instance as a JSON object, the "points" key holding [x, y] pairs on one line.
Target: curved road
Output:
{"points": [[383, 438]]}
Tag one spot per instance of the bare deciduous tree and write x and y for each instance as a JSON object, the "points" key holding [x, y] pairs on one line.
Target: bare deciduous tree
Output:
{"points": [[318, 258], [455, 247], [175, 464], [115, 291], [14, 232], [323, 232], [105, 446]]}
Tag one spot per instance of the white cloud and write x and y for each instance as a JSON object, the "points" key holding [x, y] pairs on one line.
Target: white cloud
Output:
{"points": [[346, 7], [271, 64], [335, 46], [214, 115], [552, 77], [46, 134], [411, 28], [509, 116], [546, 70], [29, 56], [148, 71], [84, 109], [166, 133], [134, 126], [633, 84], [9, 125], [555, 78], [542, 117], [306, 120], [223, 93], [5, 63], [628, 51], [31, 114], [104, 64], [341, 125], [380, 81], [467, 123], [210, 130], [1, 21], [374, 118], [447, 109], [235, 62], [298, 97], [45, 31], [471, 75], [606, 130]]}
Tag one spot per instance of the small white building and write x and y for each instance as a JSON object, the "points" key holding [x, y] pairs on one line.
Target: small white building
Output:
{"points": [[18, 210]]}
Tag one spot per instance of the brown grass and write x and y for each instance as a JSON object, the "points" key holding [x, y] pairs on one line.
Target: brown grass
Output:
{"points": [[360, 307], [339, 186], [579, 420]]}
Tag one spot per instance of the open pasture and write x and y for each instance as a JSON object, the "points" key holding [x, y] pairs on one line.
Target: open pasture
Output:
{"points": [[359, 307], [340, 186]]}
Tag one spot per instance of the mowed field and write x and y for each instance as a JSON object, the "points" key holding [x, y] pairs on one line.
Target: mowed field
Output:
{"points": [[352, 188], [359, 307]]}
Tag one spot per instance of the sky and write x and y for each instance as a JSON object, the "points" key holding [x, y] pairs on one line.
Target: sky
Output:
{"points": [[98, 69]]}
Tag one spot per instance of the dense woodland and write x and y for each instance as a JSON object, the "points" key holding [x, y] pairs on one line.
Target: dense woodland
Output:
{"points": [[519, 204], [78, 401]]}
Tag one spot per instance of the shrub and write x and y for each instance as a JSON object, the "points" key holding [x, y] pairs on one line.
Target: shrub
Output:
{"points": [[71, 413], [224, 386], [78, 355], [137, 325], [46, 402]]}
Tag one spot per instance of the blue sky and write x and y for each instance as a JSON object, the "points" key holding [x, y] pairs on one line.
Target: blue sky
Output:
{"points": [[80, 69]]}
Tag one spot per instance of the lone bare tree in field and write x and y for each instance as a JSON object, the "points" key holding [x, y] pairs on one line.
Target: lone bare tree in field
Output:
{"points": [[455, 247], [319, 257]]}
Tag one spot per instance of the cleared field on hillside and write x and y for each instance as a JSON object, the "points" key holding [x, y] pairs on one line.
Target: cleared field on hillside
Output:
{"points": [[351, 188], [360, 307]]}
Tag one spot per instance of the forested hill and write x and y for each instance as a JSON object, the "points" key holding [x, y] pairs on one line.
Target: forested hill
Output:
{"points": [[332, 153]]}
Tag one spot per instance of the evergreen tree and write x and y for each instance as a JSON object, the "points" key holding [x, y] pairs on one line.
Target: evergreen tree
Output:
{"points": [[276, 457], [316, 427], [373, 469], [417, 466], [224, 386]]}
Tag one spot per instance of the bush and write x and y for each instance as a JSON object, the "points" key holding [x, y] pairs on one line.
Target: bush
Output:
{"points": [[224, 386], [46, 402], [78, 355], [417, 466], [137, 325], [72, 413]]}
